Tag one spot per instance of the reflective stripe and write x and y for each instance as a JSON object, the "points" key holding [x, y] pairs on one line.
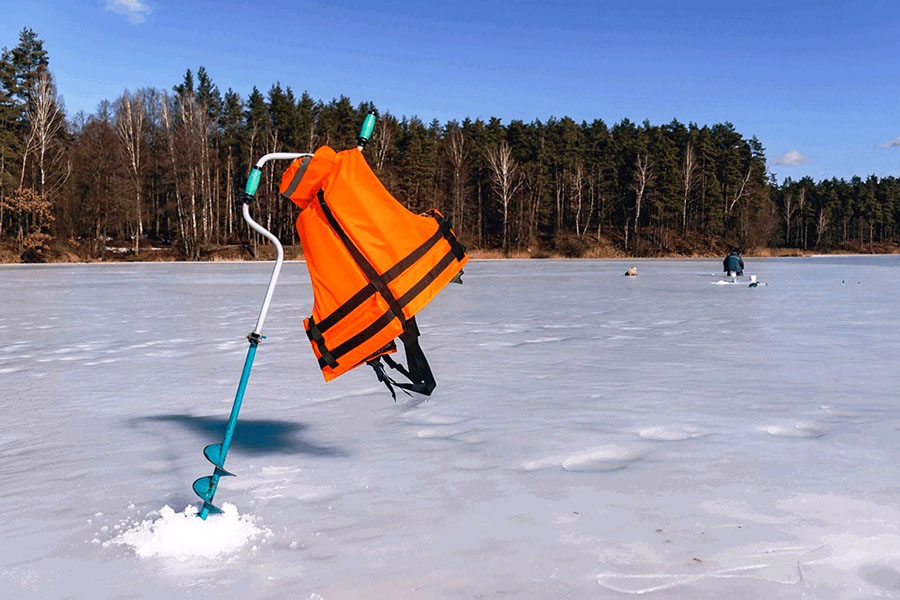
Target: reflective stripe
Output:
{"points": [[297, 177]]}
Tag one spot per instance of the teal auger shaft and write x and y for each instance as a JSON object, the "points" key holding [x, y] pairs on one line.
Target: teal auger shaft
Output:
{"points": [[205, 487]]}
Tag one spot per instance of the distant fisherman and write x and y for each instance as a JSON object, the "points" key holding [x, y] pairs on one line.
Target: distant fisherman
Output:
{"points": [[734, 264]]}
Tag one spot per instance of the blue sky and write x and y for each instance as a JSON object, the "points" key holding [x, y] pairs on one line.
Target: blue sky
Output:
{"points": [[817, 82]]}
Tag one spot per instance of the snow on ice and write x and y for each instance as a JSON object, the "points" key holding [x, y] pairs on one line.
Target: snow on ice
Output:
{"points": [[592, 436], [183, 536]]}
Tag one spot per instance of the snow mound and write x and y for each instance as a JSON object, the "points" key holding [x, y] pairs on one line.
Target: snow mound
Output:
{"points": [[183, 536], [598, 459], [607, 458], [801, 429], [667, 433]]}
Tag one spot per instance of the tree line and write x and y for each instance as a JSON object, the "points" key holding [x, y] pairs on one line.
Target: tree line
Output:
{"points": [[165, 168]]}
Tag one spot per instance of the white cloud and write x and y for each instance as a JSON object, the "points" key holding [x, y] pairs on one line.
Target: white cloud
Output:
{"points": [[894, 143], [135, 11], [790, 159]]}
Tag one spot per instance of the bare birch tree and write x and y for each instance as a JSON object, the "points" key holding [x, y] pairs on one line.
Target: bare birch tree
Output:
{"points": [[457, 152], [643, 173], [43, 139], [46, 121], [188, 132], [822, 222], [576, 180], [789, 210], [383, 141], [506, 181], [741, 191], [185, 233], [688, 178], [131, 131], [27, 148], [801, 204]]}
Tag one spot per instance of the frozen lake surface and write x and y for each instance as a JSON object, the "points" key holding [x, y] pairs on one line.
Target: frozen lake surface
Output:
{"points": [[592, 436]]}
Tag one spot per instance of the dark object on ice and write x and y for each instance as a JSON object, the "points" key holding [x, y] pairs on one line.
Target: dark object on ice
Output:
{"points": [[631, 272], [733, 263], [755, 282]]}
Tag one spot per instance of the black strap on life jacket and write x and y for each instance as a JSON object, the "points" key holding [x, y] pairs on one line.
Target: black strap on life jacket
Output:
{"points": [[418, 372], [376, 280]]}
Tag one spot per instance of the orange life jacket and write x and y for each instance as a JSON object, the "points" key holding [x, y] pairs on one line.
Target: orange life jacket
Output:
{"points": [[373, 265]]}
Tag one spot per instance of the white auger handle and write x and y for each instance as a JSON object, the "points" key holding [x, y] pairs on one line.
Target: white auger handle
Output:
{"points": [[246, 199]]}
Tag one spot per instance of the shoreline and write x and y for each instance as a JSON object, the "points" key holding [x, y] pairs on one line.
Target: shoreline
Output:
{"points": [[119, 252], [476, 257]]}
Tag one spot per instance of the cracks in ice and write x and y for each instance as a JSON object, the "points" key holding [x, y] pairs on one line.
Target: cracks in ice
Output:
{"points": [[789, 572]]}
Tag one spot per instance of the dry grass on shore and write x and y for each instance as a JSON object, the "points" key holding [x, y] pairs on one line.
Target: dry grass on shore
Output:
{"points": [[603, 248]]}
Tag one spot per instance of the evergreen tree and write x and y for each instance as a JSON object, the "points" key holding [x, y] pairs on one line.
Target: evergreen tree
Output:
{"points": [[642, 188]]}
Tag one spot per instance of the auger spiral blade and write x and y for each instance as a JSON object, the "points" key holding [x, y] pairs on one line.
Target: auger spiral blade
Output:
{"points": [[213, 454], [205, 487]]}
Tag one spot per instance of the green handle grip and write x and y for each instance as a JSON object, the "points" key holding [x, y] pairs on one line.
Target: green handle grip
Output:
{"points": [[253, 182], [365, 132]]}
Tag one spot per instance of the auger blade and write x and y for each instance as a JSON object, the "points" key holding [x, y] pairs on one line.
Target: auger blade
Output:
{"points": [[213, 454], [211, 509], [202, 487], [223, 473]]}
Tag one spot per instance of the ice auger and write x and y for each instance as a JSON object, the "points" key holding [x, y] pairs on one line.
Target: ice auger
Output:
{"points": [[205, 487]]}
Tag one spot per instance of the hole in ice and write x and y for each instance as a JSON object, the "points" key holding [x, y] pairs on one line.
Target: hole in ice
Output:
{"points": [[183, 536]]}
